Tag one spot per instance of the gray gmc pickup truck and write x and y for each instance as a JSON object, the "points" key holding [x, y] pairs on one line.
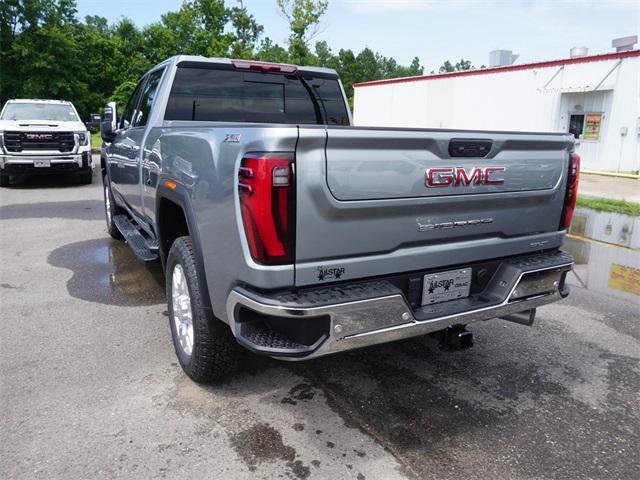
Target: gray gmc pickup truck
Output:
{"points": [[284, 229]]}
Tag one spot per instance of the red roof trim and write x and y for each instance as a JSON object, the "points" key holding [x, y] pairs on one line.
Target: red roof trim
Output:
{"points": [[509, 68]]}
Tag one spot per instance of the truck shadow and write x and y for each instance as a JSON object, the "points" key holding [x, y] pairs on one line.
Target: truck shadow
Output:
{"points": [[30, 182], [77, 210], [106, 271]]}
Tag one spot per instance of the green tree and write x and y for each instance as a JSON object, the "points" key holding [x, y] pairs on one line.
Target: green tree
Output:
{"points": [[324, 56], [304, 23], [272, 52], [121, 93], [25, 24], [462, 65], [246, 32], [365, 66], [197, 28]]}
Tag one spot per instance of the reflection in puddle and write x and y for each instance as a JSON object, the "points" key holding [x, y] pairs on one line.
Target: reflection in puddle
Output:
{"points": [[106, 271]]}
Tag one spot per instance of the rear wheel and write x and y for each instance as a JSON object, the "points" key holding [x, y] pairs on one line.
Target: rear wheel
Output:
{"points": [[204, 345], [4, 180], [110, 209]]}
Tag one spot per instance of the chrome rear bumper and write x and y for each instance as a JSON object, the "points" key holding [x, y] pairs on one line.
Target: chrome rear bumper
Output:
{"points": [[371, 313]]}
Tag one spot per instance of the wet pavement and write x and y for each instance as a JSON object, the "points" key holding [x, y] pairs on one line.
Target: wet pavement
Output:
{"points": [[609, 187], [90, 388]]}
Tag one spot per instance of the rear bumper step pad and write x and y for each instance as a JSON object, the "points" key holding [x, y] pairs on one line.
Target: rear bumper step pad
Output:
{"points": [[369, 313]]}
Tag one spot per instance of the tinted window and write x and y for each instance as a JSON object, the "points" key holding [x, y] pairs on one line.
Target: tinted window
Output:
{"points": [[127, 114], [236, 96], [148, 95], [331, 100]]}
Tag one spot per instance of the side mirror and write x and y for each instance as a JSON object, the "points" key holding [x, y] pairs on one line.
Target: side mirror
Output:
{"points": [[94, 122], [109, 126]]}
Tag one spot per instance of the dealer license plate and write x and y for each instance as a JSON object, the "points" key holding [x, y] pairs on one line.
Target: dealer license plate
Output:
{"points": [[42, 163], [445, 286]]}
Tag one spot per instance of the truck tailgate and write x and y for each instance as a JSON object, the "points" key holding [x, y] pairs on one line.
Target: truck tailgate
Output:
{"points": [[374, 201]]}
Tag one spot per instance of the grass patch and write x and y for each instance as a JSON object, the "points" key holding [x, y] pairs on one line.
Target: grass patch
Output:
{"points": [[96, 140], [611, 206]]}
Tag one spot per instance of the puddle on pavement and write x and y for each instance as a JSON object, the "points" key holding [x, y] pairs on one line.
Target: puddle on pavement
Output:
{"points": [[261, 442], [106, 271]]}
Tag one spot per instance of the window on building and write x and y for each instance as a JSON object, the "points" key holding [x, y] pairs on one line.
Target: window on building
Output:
{"points": [[576, 124]]}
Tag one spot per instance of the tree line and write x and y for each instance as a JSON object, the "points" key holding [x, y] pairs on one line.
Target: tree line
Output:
{"points": [[46, 51]]}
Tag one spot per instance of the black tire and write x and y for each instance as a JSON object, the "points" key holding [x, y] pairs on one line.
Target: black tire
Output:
{"points": [[4, 180], [110, 209], [215, 353], [86, 178]]}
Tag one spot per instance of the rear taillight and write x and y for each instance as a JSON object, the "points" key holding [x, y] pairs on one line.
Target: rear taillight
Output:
{"points": [[266, 189], [572, 191]]}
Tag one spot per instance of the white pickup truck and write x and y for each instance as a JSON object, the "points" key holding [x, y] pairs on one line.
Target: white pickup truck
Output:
{"points": [[43, 136]]}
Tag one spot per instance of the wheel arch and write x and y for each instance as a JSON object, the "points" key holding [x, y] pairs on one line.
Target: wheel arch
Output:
{"points": [[175, 218]]}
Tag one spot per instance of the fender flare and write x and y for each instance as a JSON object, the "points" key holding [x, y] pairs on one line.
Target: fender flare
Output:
{"points": [[180, 197]]}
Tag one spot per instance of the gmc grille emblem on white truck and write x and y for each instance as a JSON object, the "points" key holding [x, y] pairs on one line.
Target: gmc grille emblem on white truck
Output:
{"points": [[458, 176], [38, 136]]}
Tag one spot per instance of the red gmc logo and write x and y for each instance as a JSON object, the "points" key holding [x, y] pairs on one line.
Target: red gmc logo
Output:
{"points": [[456, 176], [38, 136]]}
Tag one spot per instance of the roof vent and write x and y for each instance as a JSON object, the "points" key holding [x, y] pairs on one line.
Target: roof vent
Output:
{"points": [[624, 44], [577, 52], [502, 58]]}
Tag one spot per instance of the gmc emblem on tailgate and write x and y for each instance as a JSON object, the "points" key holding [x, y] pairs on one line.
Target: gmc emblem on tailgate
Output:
{"points": [[458, 176]]}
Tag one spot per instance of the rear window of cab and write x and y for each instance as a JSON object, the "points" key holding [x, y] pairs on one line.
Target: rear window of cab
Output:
{"points": [[206, 94]]}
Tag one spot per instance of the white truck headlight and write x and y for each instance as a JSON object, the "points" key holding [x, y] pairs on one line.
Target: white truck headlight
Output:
{"points": [[83, 138]]}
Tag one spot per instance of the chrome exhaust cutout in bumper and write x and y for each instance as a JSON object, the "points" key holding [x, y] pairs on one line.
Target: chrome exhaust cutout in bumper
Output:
{"points": [[359, 315]]}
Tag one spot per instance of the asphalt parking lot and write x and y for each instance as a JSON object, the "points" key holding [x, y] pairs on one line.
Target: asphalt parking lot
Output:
{"points": [[90, 387]]}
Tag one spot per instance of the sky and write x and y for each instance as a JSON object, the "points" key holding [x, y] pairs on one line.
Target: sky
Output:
{"points": [[434, 30]]}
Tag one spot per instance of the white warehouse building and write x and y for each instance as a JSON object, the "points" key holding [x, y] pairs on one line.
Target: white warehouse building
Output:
{"points": [[597, 98]]}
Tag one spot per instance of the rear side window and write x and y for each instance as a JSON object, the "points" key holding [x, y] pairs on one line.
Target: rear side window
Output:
{"points": [[235, 96], [132, 103], [148, 95]]}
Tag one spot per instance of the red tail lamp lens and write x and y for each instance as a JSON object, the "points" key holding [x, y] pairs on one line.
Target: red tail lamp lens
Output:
{"points": [[265, 184], [572, 191]]}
